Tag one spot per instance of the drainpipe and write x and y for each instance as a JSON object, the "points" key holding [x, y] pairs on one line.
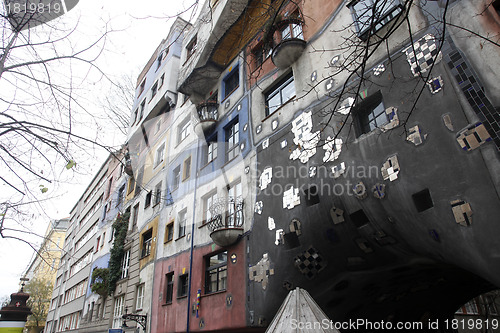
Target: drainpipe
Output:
{"points": [[192, 238]]}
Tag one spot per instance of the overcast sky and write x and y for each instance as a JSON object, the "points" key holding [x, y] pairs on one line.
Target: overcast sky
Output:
{"points": [[140, 26]]}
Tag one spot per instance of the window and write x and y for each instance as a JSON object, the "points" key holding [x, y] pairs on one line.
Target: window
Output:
{"points": [[211, 149], [232, 140], [169, 287], [141, 109], [260, 54], [216, 273], [147, 201], [157, 193], [191, 48], [97, 244], [183, 131], [130, 185], [369, 20], [208, 201], [141, 87], [369, 114], [160, 153], [280, 93], [135, 216], [186, 170], [158, 126], [158, 60], [140, 297], [177, 177], [154, 89], [359, 218], [103, 239], [312, 195], [231, 82], [183, 285], [121, 195], [118, 311], [162, 79], [147, 239], [422, 200], [292, 30], [234, 213], [169, 232], [134, 117], [125, 264], [182, 223]]}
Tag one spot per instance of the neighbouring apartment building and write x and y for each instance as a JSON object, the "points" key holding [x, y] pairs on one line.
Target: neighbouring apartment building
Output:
{"points": [[349, 148]]}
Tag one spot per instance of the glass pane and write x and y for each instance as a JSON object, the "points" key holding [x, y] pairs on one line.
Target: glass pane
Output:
{"points": [[285, 33], [288, 91], [297, 31], [274, 103], [381, 119]]}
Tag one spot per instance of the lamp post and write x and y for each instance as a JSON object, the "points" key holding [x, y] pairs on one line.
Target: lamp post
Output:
{"points": [[140, 319]]}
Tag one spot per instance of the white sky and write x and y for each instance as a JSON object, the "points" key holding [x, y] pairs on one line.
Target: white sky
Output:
{"points": [[140, 25]]}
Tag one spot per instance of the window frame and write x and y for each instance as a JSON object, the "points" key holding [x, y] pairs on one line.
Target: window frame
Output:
{"points": [[230, 79], [186, 168], [154, 90], [158, 192], [118, 306], [231, 131], [159, 155], [387, 14], [219, 268], [277, 90], [176, 177], [183, 286], [169, 287], [169, 232], [362, 111], [125, 267], [191, 47], [182, 223], [208, 201], [182, 130], [146, 244], [139, 296]]}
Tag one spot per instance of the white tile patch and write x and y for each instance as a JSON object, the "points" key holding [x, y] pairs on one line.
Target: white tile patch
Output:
{"points": [[279, 237], [346, 105], [338, 170], [274, 124], [415, 136], [265, 178], [379, 70], [390, 168], [393, 119], [265, 143], [291, 198], [258, 207], [283, 144], [332, 149], [270, 223], [312, 171]]}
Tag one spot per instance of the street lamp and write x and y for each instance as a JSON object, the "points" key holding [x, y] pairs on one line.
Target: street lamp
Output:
{"points": [[141, 319]]}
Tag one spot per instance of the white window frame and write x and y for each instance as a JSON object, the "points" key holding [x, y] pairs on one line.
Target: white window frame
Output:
{"points": [[140, 297], [118, 311], [160, 155], [125, 264]]}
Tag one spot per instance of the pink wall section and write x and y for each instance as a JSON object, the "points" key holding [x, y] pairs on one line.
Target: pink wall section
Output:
{"points": [[213, 308]]}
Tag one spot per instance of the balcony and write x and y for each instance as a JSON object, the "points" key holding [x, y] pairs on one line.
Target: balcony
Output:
{"points": [[226, 224], [207, 114], [288, 42]]}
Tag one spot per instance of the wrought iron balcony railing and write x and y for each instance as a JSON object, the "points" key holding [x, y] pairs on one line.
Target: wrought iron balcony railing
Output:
{"points": [[226, 224], [207, 115]]}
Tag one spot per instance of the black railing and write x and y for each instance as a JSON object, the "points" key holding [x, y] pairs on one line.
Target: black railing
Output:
{"points": [[208, 111], [226, 213]]}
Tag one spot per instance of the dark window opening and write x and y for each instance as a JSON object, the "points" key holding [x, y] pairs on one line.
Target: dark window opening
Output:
{"points": [[359, 218], [291, 240], [312, 195], [191, 48], [231, 82], [147, 239], [169, 232], [422, 200], [371, 15], [183, 285], [169, 287], [147, 201], [279, 94], [216, 273], [369, 114]]}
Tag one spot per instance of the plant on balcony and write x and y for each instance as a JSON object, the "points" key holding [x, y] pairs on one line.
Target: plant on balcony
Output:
{"points": [[99, 282], [120, 227]]}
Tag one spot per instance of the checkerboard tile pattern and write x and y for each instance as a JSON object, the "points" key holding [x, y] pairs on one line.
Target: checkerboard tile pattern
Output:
{"points": [[310, 262], [423, 54]]}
